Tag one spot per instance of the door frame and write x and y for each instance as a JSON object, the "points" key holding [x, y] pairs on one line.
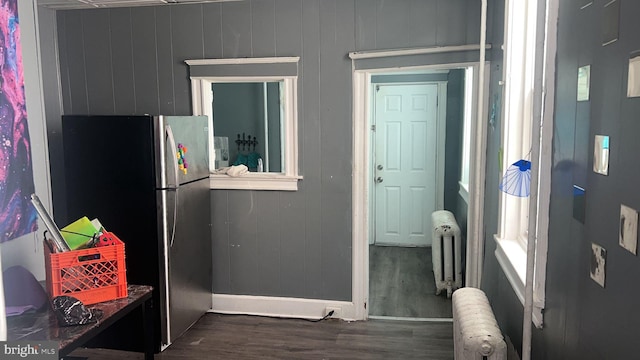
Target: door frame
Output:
{"points": [[441, 123], [361, 174]]}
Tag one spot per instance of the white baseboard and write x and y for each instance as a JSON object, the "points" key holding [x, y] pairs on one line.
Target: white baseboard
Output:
{"points": [[281, 306]]}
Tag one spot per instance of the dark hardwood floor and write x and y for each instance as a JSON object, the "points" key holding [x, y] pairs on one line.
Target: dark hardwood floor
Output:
{"points": [[217, 336], [401, 284]]}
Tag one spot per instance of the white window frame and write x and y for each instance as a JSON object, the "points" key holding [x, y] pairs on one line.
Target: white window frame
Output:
{"points": [[203, 97], [520, 110], [470, 108]]}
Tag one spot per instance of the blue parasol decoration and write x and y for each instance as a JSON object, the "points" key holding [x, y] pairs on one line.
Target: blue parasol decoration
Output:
{"points": [[517, 179]]}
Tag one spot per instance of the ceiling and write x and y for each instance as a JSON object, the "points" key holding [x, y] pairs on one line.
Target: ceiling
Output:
{"points": [[92, 4]]}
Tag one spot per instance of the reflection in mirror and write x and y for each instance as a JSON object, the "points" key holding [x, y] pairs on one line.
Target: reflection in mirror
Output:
{"points": [[250, 116], [601, 155]]}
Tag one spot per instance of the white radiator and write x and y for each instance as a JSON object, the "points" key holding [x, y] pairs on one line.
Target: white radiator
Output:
{"points": [[476, 335], [446, 252]]}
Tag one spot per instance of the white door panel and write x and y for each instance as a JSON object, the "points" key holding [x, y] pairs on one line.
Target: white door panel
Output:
{"points": [[391, 212], [405, 166]]}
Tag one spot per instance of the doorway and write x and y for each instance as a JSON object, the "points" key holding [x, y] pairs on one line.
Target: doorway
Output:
{"points": [[407, 138], [366, 216]]}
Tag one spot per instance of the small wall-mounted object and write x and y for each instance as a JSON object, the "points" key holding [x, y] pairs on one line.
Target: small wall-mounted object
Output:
{"points": [[633, 78], [598, 261], [601, 155], [584, 75], [628, 228], [610, 22]]}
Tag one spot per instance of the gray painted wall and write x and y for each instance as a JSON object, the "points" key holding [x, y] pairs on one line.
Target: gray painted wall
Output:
{"points": [[453, 151], [582, 319], [453, 163], [506, 306], [294, 244], [52, 103]]}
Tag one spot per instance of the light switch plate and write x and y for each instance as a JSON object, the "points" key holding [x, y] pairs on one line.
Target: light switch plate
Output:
{"points": [[629, 228], [598, 260]]}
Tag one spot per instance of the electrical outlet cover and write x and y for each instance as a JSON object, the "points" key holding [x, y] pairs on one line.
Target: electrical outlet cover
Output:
{"points": [[629, 228], [337, 311], [598, 260]]}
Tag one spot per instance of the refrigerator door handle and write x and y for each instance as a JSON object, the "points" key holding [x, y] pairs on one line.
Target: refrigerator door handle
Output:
{"points": [[172, 145]]}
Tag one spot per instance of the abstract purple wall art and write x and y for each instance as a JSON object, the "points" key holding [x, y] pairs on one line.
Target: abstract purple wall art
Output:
{"points": [[17, 215]]}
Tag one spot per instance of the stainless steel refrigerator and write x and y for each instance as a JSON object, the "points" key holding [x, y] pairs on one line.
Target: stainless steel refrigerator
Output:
{"points": [[146, 178]]}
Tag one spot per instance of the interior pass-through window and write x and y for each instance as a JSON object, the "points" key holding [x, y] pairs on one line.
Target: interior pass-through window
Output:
{"points": [[252, 104]]}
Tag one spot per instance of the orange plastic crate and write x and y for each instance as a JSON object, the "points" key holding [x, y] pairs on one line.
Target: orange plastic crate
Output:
{"points": [[90, 275]]}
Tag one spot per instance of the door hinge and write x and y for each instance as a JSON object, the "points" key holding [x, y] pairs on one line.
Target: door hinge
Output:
{"points": [[373, 128]]}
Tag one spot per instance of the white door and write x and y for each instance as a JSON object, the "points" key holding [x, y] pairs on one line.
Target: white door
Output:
{"points": [[405, 163]]}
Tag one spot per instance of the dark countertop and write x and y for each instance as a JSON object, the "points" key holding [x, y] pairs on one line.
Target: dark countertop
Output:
{"points": [[42, 325]]}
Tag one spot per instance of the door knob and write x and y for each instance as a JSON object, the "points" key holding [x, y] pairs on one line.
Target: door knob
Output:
{"points": [[380, 167], [378, 180]]}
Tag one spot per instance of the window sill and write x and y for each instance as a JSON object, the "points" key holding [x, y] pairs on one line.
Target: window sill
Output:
{"points": [[513, 261], [255, 181]]}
